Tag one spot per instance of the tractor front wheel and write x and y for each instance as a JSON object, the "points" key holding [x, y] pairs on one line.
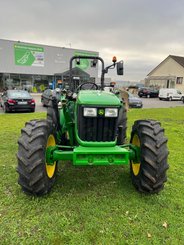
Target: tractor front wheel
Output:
{"points": [[149, 172], [35, 175]]}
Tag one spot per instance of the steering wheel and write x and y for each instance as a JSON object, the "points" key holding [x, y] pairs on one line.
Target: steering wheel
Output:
{"points": [[93, 86]]}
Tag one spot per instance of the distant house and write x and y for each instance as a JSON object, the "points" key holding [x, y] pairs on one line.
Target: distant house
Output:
{"points": [[168, 74]]}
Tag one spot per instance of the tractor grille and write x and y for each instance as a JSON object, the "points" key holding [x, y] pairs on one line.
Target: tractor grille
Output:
{"points": [[97, 129]]}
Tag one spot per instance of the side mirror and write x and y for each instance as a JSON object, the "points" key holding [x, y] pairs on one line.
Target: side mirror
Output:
{"points": [[120, 68]]}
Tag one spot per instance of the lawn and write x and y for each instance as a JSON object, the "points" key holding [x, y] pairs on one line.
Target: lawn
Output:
{"points": [[93, 205]]}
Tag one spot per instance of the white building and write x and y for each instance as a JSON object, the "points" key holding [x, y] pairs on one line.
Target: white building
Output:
{"points": [[168, 74]]}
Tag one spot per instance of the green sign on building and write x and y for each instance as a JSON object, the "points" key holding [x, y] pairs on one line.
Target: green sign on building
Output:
{"points": [[26, 55]]}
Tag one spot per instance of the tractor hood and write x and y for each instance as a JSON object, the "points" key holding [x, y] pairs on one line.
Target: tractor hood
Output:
{"points": [[97, 97]]}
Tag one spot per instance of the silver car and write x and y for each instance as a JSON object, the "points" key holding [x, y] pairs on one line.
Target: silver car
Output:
{"points": [[134, 101]]}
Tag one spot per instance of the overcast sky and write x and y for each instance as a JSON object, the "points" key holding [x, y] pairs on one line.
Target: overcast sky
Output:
{"points": [[141, 32]]}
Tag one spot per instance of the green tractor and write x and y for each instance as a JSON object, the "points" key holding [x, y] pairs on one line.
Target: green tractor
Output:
{"points": [[88, 127]]}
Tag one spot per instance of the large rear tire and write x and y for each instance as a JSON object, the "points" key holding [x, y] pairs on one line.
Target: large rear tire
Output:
{"points": [[122, 126], [6, 109], [35, 175], [149, 174], [53, 118], [52, 114]]}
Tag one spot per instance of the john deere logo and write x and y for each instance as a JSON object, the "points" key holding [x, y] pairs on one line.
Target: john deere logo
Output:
{"points": [[101, 112]]}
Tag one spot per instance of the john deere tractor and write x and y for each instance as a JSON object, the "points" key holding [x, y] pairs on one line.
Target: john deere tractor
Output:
{"points": [[87, 126]]}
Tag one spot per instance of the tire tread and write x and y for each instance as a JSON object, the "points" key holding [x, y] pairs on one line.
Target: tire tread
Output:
{"points": [[153, 159], [31, 158]]}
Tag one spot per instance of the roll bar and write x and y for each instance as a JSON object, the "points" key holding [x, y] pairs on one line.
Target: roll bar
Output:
{"points": [[90, 58], [104, 70]]}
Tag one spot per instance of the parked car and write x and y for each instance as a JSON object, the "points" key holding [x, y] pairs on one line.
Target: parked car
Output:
{"points": [[134, 101], [17, 100], [47, 95], [170, 94], [148, 92]]}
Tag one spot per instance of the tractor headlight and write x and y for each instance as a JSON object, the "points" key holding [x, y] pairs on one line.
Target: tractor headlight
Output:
{"points": [[111, 112], [90, 112]]}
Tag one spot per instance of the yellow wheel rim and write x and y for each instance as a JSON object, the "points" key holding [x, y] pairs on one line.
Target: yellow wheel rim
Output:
{"points": [[136, 165], [50, 169]]}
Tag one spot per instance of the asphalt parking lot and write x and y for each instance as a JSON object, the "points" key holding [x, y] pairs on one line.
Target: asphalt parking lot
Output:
{"points": [[156, 103], [147, 103]]}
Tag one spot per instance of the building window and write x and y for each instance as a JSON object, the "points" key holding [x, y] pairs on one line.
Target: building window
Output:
{"points": [[179, 80]]}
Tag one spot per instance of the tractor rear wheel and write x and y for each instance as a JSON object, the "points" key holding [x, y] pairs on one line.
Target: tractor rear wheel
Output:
{"points": [[122, 126], [6, 109], [35, 175], [51, 114], [149, 173]]}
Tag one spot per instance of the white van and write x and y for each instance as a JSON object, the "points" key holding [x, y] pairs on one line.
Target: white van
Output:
{"points": [[170, 94]]}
